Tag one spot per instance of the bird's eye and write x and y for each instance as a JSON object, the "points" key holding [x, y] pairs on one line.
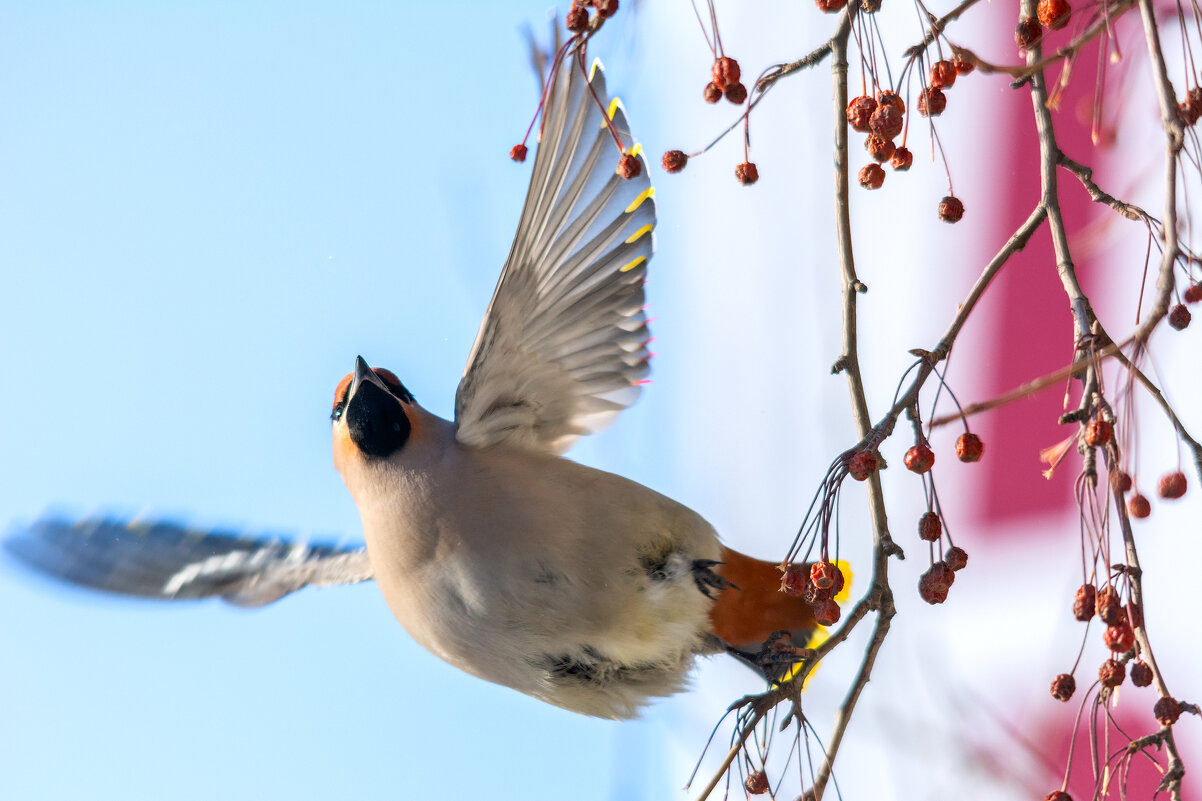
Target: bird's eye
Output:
{"points": [[340, 392], [336, 415]]}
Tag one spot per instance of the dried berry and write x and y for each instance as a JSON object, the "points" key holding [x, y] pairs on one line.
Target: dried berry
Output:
{"points": [[943, 74], [1171, 486], [1107, 605], [919, 458], [880, 148], [956, 558], [859, 113], [1028, 33], [1063, 687], [674, 160], [757, 783], [1057, 795], [929, 527], [870, 6], [969, 447], [872, 176], [1193, 293], [1083, 602], [1119, 638], [862, 464], [1098, 432], [902, 159], [1112, 673], [1167, 710], [931, 101], [606, 8], [931, 591], [816, 597], [887, 121], [823, 574], [1191, 108], [1122, 482], [1138, 506], [747, 174], [942, 574], [736, 93], [827, 613], [577, 19], [962, 64], [713, 92], [886, 97], [951, 210], [726, 72], [1179, 317], [1054, 14], [793, 582], [830, 6], [629, 167], [1141, 674]]}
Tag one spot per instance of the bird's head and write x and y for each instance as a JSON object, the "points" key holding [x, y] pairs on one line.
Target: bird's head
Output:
{"points": [[373, 416]]}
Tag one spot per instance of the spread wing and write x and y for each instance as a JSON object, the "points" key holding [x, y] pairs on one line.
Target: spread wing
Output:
{"points": [[563, 345], [168, 561]]}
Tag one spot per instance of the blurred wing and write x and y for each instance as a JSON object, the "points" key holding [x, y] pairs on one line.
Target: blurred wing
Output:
{"points": [[164, 560], [563, 345]]}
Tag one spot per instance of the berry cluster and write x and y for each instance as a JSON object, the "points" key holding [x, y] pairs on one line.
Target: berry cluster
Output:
{"points": [[818, 587], [1050, 14], [934, 584], [1170, 487]]}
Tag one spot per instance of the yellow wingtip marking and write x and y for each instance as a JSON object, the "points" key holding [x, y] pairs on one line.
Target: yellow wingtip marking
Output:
{"points": [[639, 234], [614, 105], [637, 149], [633, 264], [592, 70], [638, 201]]}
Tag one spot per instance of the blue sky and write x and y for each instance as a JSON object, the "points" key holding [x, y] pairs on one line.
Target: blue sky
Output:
{"points": [[208, 209]]}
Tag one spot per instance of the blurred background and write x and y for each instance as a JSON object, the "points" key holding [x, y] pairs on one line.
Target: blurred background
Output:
{"points": [[208, 209]]}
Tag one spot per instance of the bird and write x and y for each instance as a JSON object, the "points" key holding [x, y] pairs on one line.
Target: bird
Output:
{"points": [[494, 551]]}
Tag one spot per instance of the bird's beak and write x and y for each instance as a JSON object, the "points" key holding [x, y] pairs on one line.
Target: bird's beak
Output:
{"points": [[363, 372]]}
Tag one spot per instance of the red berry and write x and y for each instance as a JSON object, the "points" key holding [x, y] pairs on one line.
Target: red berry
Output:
{"points": [[969, 447], [736, 93], [839, 582], [956, 558], [902, 159], [1122, 482], [943, 74], [889, 98], [1119, 638], [962, 64], [886, 121], [1141, 674], [518, 153], [1112, 673], [713, 92], [931, 591], [872, 176], [674, 161], [931, 101], [1138, 506], [1109, 610], [816, 597], [1167, 710], [830, 6], [827, 613], [1193, 293], [862, 464], [746, 173], [606, 8], [1172, 486], [757, 783], [929, 527], [1028, 33], [1098, 432], [793, 582], [942, 574], [1084, 602], [629, 167], [859, 113], [726, 72], [577, 19], [1179, 317], [951, 210], [919, 458], [1054, 14], [1063, 687], [880, 148], [1057, 795], [823, 574]]}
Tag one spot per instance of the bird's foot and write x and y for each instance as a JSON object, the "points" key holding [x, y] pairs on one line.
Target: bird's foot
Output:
{"points": [[708, 580]]}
